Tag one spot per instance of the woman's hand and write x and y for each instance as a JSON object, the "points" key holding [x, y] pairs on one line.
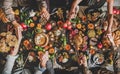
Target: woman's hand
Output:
{"points": [[73, 13], [18, 30], [83, 61], [44, 59]]}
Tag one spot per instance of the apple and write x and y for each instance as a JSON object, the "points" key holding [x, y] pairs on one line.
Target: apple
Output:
{"points": [[59, 22], [114, 11], [117, 12], [48, 26], [23, 26], [100, 45], [68, 22], [65, 25], [73, 33], [69, 27]]}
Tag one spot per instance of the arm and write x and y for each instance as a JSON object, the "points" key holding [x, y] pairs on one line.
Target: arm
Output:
{"points": [[110, 21], [74, 4], [12, 56], [73, 7], [42, 5], [49, 67], [9, 64], [110, 14], [7, 7], [44, 64]]}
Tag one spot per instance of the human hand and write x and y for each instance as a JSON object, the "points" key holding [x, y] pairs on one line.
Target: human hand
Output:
{"points": [[83, 60], [44, 59], [73, 13], [44, 13], [18, 30]]}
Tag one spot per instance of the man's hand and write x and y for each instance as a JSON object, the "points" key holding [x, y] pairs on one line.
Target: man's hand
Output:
{"points": [[45, 14]]}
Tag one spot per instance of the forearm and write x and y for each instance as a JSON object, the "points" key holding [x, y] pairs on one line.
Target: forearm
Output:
{"points": [[42, 4], [7, 7], [110, 6], [74, 4], [110, 13], [9, 64], [41, 69]]}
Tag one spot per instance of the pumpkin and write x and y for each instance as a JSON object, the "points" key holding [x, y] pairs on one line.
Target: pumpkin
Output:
{"points": [[79, 26], [90, 26], [32, 25], [118, 33], [67, 47], [38, 26], [92, 51], [83, 18], [51, 50], [26, 42]]}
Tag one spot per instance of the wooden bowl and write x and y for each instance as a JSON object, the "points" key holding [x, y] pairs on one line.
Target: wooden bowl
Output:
{"points": [[41, 39]]}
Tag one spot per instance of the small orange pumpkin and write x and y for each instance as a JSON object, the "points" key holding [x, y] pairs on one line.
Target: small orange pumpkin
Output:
{"points": [[67, 47], [118, 33], [90, 26], [39, 26], [92, 51], [32, 25], [79, 26], [26, 42], [83, 18], [51, 50]]}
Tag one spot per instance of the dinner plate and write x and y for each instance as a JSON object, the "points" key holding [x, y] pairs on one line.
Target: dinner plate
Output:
{"points": [[65, 62]]}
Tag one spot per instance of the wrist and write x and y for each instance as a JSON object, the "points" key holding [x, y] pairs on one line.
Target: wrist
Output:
{"points": [[42, 65], [15, 23], [43, 9]]}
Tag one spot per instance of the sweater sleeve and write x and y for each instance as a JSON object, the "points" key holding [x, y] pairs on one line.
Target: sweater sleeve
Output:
{"points": [[7, 7], [41, 4], [9, 64]]}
